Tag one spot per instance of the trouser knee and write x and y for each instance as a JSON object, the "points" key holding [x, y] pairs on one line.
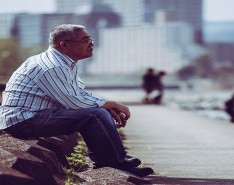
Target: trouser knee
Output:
{"points": [[103, 115]]}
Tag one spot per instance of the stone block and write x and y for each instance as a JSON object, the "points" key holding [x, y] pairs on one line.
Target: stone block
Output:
{"points": [[9, 176], [111, 176], [70, 140], [27, 164], [36, 161], [32, 147]]}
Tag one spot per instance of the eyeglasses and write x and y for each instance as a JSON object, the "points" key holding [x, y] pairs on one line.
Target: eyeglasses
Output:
{"points": [[86, 41]]}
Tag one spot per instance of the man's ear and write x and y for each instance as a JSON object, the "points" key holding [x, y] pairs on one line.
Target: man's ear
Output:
{"points": [[63, 45]]}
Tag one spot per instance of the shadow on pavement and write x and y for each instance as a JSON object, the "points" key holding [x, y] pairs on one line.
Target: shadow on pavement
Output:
{"points": [[187, 181]]}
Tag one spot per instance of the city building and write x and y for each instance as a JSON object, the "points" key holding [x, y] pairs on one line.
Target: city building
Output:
{"points": [[155, 33], [190, 11], [6, 25], [33, 29], [219, 39], [128, 50], [71, 6], [131, 11]]}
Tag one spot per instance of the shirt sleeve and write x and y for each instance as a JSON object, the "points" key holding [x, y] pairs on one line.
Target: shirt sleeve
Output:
{"points": [[58, 84]]}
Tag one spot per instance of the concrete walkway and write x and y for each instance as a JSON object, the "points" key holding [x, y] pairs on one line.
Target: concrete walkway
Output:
{"points": [[182, 147]]}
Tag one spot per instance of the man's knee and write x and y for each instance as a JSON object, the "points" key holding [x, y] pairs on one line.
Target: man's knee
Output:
{"points": [[100, 112]]}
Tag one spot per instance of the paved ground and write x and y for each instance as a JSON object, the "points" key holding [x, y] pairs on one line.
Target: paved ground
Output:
{"points": [[183, 148]]}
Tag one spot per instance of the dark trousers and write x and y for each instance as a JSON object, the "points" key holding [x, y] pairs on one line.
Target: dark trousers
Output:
{"points": [[95, 125]]}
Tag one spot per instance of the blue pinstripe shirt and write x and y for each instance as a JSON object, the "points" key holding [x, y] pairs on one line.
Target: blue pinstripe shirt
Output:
{"points": [[47, 80]]}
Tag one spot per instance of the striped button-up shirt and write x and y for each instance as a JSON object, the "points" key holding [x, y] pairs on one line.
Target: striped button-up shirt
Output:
{"points": [[47, 80]]}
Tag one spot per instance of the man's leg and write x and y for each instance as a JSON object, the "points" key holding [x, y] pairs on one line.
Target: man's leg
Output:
{"points": [[96, 126]]}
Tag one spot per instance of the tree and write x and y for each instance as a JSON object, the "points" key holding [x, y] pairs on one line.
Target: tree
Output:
{"points": [[9, 56], [12, 55]]}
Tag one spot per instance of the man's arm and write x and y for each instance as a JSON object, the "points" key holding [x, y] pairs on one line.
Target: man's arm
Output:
{"points": [[119, 112], [117, 107], [57, 84]]}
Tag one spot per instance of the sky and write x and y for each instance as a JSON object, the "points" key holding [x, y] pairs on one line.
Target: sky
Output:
{"points": [[214, 10]]}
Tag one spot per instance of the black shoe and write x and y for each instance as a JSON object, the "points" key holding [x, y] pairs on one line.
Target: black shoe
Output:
{"points": [[133, 161], [140, 172], [125, 166]]}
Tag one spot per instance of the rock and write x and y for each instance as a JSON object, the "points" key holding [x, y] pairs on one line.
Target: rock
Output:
{"points": [[27, 164], [32, 147], [35, 161], [110, 176], [11, 176]]}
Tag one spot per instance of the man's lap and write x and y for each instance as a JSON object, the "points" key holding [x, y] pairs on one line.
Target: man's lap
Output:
{"points": [[53, 122]]}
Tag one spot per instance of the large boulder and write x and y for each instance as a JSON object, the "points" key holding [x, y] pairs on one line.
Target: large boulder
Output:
{"points": [[36, 161]]}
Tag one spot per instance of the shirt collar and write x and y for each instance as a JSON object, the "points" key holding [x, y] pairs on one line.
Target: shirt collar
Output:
{"points": [[66, 59]]}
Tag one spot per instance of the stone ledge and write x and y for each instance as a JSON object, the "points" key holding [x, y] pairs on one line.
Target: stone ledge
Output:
{"points": [[35, 161], [110, 176], [14, 177], [41, 161]]}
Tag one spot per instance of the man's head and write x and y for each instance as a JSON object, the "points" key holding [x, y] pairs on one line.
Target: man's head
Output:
{"points": [[150, 71], [71, 40]]}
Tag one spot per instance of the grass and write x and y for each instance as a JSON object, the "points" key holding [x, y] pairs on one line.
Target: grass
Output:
{"points": [[77, 162]]}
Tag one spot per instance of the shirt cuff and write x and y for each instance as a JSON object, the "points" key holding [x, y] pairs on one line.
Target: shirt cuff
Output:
{"points": [[101, 102]]}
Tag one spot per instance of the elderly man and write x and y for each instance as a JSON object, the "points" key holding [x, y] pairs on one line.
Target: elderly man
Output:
{"points": [[45, 97]]}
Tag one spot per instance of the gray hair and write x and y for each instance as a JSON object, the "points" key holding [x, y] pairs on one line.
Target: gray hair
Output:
{"points": [[64, 32]]}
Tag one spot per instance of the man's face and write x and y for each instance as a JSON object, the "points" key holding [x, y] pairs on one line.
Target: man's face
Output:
{"points": [[81, 47]]}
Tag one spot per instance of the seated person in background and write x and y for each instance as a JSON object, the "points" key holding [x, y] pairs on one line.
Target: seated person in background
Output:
{"points": [[159, 86], [148, 83], [152, 84], [45, 97], [229, 108]]}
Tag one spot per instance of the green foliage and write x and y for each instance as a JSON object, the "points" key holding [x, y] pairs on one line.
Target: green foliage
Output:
{"points": [[9, 56], [12, 55], [30, 51], [77, 161]]}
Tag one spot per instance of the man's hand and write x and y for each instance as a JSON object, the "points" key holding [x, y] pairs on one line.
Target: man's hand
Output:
{"points": [[123, 119], [120, 118], [118, 108]]}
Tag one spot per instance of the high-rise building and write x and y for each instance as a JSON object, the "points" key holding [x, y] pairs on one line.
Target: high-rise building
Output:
{"points": [[35, 28], [74, 6], [137, 12], [190, 11], [128, 50], [6, 25], [69, 6], [131, 11]]}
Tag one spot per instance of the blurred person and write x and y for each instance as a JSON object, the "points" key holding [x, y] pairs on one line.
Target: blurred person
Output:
{"points": [[229, 108], [153, 86], [45, 97], [148, 84], [159, 86]]}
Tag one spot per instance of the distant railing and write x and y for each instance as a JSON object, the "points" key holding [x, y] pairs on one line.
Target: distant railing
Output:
{"points": [[129, 87]]}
